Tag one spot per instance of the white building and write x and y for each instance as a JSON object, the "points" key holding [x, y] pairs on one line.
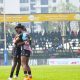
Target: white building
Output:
{"points": [[39, 6]]}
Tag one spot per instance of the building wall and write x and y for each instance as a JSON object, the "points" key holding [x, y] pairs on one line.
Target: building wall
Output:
{"points": [[1, 6], [12, 6], [37, 6]]}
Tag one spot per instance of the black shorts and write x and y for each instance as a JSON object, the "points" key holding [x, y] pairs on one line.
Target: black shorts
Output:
{"points": [[16, 51], [25, 53]]}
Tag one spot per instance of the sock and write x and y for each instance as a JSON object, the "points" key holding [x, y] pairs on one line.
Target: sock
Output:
{"points": [[25, 73], [11, 75], [29, 72]]}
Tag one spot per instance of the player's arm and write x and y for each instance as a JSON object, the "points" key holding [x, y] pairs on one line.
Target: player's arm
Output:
{"points": [[25, 41], [20, 43], [16, 39]]}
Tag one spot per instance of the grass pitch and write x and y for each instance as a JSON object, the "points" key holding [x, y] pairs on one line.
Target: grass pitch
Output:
{"points": [[46, 72]]}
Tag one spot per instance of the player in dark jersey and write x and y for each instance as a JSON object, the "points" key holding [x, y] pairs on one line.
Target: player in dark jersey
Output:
{"points": [[16, 52]]}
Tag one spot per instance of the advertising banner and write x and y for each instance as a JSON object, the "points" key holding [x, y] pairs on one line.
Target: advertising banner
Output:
{"points": [[64, 61], [40, 17]]}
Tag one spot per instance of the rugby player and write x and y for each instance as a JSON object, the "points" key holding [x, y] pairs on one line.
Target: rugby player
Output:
{"points": [[16, 53]]}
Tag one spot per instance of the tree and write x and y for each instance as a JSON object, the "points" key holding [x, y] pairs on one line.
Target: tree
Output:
{"points": [[67, 8]]}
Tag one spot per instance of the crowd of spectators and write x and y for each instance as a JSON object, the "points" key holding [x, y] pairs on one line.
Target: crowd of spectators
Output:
{"points": [[41, 39]]}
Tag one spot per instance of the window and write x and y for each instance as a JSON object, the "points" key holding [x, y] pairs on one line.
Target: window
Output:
{"points": [[1, 1], [23, 1], [33, 12], [44, 10], [24, 8], [79, 8], [54, 1], [1, 9], [32, 0], [54, 8], [44, 2], [32, 7], [67, 0]]}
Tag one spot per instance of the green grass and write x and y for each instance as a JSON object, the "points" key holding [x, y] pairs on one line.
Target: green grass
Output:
{"points": [[46, 73]]}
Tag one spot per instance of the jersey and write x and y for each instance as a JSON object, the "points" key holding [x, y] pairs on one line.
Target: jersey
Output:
{"points": [[25, 37], [16, 51]]}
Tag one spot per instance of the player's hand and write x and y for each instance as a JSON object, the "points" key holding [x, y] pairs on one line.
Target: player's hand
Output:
{"points": [[26, 42]]}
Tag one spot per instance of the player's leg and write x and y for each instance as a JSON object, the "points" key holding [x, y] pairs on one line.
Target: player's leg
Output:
{"points": [[27, 61], [18, 66], [13, 67], [24, 61], [28, 69]]}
